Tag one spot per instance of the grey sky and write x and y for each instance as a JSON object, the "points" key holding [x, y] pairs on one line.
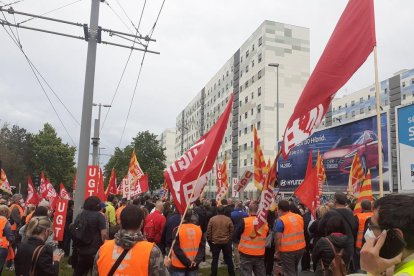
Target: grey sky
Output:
{"points": [[195, 38]]}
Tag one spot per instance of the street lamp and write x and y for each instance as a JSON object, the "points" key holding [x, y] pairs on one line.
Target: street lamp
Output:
{"points": [[277, 98]]}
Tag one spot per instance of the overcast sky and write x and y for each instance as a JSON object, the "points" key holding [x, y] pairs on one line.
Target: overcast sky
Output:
{"points": [[195, 38]]}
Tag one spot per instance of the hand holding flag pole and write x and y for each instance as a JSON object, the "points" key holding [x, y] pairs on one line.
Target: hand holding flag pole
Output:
{"points": [[186, 208]]}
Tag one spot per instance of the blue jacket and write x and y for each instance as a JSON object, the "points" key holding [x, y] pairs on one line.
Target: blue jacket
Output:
{"points": [[237, 215]]}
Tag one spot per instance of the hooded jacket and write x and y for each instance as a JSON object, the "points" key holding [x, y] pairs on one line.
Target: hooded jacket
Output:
{"points": [[323, 251]]}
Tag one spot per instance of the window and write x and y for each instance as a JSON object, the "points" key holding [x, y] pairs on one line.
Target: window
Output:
{"points": [[259, 91], [227, 73], [346, 105], [246, 84], [369, 108], [353, 113], [361, 100], [412, 81], [251, 113], [240, 103], [247, 53], [259, 108], [260, 41], [251, 128], [251, 144], [259, 74], [369, 97], [352, 103], [385, 90], [252, 63], [241, 88], [241, 59], [245, 162], [361, 111], [252, 95], [403, 84], [239, 133], [245, 130], [245, 115], [258, 125], [245, 147], [241, 73], [239, 118], [404, 96], [252, 79], [252, 47], [259, 58], [247, 68], [225, 139], [246, 99], [386, 102], [251, 161]]}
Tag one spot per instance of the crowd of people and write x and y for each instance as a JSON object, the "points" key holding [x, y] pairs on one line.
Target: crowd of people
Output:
{"points": [[147, 236]]}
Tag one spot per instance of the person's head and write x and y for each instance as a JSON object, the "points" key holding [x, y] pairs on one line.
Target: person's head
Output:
{"points": [[146, 197], [4, 211], [71, 203], [321, 211], [92, 203], [213, 202], [159, 206], [229, 201], [335, 225], [40, 211], [40, 227], [351, 205], [197, 202], [111, 198], [340, 200], [253, 207], [30, 208], [102, 207], [188, 215], [284, 206], [224, 202], [136, 202], [124, 201], [366, 205], [207, 204], [220, 210], [395, 212], [239, 205], [132, 218], [44, 203]]}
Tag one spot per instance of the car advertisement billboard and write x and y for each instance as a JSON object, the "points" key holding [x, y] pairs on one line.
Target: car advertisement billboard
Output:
{"points": [[405, 130], [337, 146]]}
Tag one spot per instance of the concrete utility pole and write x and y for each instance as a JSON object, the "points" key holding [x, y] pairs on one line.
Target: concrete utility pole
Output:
{"points": [[95, 138]]}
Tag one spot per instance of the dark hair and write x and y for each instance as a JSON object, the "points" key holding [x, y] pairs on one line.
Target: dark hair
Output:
{"points": [[284, 206], [197, 202], [131, 217], [92, 203], [213, 202], [253, 207], [188, 215], [136, 202], [351, 205], [71, 203], [220, 210], [224, 201], [40, 211], [397, 211], [366, 205], [111, 198], [340, 198], [335, 225]]}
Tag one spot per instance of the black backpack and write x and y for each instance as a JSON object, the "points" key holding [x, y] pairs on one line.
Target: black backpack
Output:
{"points": [[337, 266], [80, 232]]}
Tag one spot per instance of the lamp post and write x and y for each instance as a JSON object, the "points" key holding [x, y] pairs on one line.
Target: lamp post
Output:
{"points": [[277, 99]]}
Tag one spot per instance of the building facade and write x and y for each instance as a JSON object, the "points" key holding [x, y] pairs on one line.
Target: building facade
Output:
{"points": [[255, 86], [167, 141]]}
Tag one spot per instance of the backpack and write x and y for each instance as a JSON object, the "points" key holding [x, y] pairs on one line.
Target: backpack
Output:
{"points": [[80, 232], [337, 266], [149, 230]]}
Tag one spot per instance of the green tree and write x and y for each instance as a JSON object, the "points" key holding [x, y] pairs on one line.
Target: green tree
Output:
{"points": [[53, 157], [150, 156]]}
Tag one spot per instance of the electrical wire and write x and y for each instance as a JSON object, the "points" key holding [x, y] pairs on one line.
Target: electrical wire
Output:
{"points": [[38, 80], [126, 65], [123, 10], [139, 73], [56, 9], [12, 3], [119, 17]]}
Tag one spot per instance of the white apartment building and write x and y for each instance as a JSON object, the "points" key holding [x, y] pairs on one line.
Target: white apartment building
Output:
{"points": [[167, 141], [255, 86]]}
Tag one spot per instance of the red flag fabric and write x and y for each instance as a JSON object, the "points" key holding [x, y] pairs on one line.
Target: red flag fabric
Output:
{"points": [[365, 193], [51, 195], [59, 219], [224, 186], [140, 187], [308, 191], [101, 188], [92, 181], [32, 196], [42, 187], [111, 189], [182, 175], [4, 183], [349, 46], [356, 176], [310, 164], [63, 193], [244, 180], [259, 162]]}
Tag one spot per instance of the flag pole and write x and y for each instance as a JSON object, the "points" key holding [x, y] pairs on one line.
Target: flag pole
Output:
{"points": [[378, 102], [186, 208], [277, 168]]}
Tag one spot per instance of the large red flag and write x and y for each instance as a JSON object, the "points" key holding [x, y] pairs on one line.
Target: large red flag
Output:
{"points": [[51, 194], [182, 175], [349, 46], [32, 196], [43, 186], [101, 188], [111, 189], [63, 193], [365, 193], [4, 183]]}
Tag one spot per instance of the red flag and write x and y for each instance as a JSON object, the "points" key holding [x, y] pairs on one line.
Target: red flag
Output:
{"points": [[365, 193], [42, 187], [356, 176], [59, 219], [308, 191], [51, 195], [349, 46], [32, 196], [310, 166], [101, 189], [259, 162], [92, 181], [4, 183], [224, 186], [182, 175], [111, 189], [244, 180], [63, 193]]}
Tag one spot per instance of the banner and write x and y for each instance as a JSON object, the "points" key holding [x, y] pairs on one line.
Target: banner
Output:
{"points": [[140, 187], [244, 180], [134, 172], [222, 175], [235, 183], [59, 219], [365, 193], [42, 187], [51, 195], [356, 176], [92, 181], [126, 189], [351, 42], [405, 148], [111, 189], [32, 196], [4, 183], [259, 162], [63, 193]]}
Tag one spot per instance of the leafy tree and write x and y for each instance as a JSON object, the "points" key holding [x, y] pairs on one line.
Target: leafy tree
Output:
{"points": [[150, 156], [53, 157]]}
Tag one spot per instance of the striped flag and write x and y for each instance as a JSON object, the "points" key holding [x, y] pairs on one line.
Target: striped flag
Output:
{"points": [[259, 162], [356, 176], [365, 193], [224, 183], [321, 175], [4, 183]]}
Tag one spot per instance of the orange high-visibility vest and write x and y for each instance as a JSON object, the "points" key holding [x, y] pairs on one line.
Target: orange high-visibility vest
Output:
{"points": [[252, 246], [14, 225], [29, 217], [4, 243], [362, 218], [136, 261], [293, 238], [189, 237], [118, 214]]}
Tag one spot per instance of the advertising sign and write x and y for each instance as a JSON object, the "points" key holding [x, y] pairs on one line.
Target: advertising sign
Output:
{"points": [[60, 218], [405, 147], [338, 145]]}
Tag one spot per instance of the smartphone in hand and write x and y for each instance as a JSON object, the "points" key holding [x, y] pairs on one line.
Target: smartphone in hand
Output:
{"points": [[393, 245]]}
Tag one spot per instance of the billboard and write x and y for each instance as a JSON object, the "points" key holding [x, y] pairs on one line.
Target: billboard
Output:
{"points": [[405, 132], [338, 145]]}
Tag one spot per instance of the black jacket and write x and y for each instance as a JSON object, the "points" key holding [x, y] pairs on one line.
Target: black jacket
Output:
{"points": [[323, 251], [201, 213], [45, 265]]}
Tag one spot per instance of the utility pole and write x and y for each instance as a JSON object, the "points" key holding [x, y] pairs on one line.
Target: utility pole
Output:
{"points": [[93, 35], [95, 138]]}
